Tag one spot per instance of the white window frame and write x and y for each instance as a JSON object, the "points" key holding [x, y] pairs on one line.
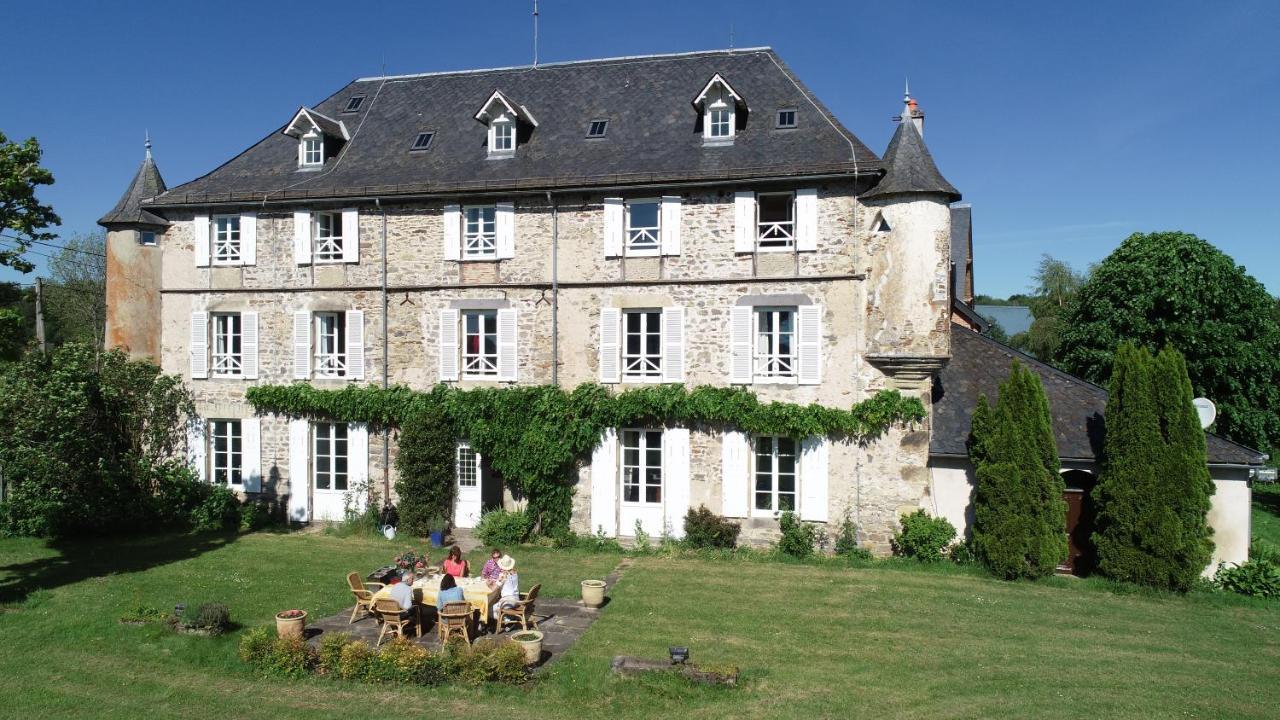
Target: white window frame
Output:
{"points": [[479, 243], [467, 464], [645, 233], [643, 366], [642, 468], [326, 233], [311, 151], [774, 476], [779, 234], [768, 364], [226, 465], [502, 136], [332, 434], [479, 365], [228, 245], [226, 354], [148, 238], [795, 119], [720, 119], [329, 356]]}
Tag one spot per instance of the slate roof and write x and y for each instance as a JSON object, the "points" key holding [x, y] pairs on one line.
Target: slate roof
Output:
{"points": [[654, 132], [909, 167], [146, 183], [979, 364]]}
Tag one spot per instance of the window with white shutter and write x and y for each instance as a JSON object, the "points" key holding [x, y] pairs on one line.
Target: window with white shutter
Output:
{"points": [[351, 236], [610, 347], [507, 345], [813, 478], [196, 431], [744, 222], [506, 227], [776, 475], [452, 220], [673, 344], [301, 345], [199, 345], [249, 239], [249, 345], [604, 484], [735, 458], [740, 360], [810, 344], [614, 219], [251, 457], [301, 237], [642, 351], [670, 225], [806, 219], [448, 345], [200, 239], [355, 345], [227, 357]]}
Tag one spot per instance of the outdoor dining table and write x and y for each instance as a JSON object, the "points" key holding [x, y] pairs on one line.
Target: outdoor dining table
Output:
{"points": [[474, 590]]}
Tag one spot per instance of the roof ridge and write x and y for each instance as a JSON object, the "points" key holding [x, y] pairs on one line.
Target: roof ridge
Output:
{"points": [[562, 63]]}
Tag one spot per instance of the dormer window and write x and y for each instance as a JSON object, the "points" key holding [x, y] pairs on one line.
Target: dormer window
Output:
{"points": [[319, 137], [509, 124], [722, 111], [312, 150], [502, 136]]}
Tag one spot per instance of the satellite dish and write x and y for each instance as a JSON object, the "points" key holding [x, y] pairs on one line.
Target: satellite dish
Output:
{"points": [[1207, 411]]}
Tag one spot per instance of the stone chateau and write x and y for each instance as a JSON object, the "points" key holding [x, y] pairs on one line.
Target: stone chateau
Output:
{"points": [[697, 218]]}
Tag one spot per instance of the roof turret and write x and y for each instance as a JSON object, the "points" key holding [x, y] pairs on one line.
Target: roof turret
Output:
{"points": [[147, 183]]}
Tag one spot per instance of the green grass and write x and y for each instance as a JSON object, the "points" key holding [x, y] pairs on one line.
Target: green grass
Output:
{"points": [[813, 640], [1266, 512]]}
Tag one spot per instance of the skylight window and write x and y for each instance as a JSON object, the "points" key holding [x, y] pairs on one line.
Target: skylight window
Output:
{"points": [[423, 141], [598, 128], [354, 103], [786, 118]]}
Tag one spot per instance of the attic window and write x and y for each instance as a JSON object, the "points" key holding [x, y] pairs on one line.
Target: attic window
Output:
{"points": [[598, 128], [502, 136], [423, 141], [354, 103], [722, 110], [880, 225], [312, 150], [786, 118]]}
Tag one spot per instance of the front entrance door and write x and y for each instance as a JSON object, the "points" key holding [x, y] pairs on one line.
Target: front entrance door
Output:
{"points": [[469, 473], [1080, 556], [642, 490], [329, 478]]}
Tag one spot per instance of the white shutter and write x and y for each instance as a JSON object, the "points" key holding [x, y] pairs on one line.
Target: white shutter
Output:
{"points": [[199, 345], [249, 239], [744, 222], [448, 345], [810, 344], [301, 237], [200, 239], [351, 236], [610, 344], [740, 344], [251, 454], [301, 345], [813, 478], [670, 225], [675, 462], [249, 345], [673, 344], [196, 447], [299, 471], [507, 360], [614, 220], [358, 464], [355, 344], [505, 228], [452, 220], [807, 219], [734, 483], [604, 484]]}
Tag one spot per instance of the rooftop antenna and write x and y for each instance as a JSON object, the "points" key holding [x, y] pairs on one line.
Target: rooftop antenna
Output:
{"points": [[147, 143], [906, 89], [730, 35], [535, 33]]}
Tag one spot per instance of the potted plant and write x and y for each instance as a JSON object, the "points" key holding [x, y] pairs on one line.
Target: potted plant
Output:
{"points": [[439, 525], [290, 623], [531, 642], [411, 561], [593, 593]]}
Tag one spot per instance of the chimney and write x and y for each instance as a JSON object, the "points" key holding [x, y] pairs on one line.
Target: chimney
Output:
{"points": [[911, 111]]}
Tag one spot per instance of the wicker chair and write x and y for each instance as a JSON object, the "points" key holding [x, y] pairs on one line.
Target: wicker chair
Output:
{"points": [[455, 617], [364, 597], [388, 611], [522, 610]]}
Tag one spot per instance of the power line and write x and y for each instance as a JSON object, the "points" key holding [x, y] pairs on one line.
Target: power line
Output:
{"points": [[57, 247], [85, 265]]}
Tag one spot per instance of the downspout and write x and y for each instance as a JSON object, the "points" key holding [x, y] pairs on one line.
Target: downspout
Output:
{"points": [[386, 369], [555, 291]]}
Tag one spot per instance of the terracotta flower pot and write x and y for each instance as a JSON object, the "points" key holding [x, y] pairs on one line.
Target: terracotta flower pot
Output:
{"points": [[287, 627], [531, 642], [593, 593]]}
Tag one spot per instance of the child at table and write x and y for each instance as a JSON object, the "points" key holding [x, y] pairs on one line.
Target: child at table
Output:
{"points": [[454, 565]]}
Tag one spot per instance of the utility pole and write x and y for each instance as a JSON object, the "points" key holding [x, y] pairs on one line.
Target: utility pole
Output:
{"points": [[40, 315]]}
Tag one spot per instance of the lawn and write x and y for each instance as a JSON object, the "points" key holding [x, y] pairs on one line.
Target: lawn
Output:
{"points": [[1266, 512], [812, 640]]}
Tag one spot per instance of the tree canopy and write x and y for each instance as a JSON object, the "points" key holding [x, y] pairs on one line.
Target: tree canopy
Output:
{"points": [[1174, 288], [23, 218]]}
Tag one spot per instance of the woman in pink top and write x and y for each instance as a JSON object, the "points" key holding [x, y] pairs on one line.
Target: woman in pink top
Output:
{"points": [[454, 564]]}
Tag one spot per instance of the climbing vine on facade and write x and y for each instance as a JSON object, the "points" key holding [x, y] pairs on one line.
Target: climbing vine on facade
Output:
{"points": [[533, 436]]}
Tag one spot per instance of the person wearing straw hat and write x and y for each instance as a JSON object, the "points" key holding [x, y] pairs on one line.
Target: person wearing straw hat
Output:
{"points": [[510, 582]]}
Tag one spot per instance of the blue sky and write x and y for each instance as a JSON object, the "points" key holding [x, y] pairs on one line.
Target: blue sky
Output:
{"points": [[1067, 125]]}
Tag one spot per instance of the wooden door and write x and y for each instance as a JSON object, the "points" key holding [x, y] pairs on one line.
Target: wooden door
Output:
{"points": [[1080, 556]]}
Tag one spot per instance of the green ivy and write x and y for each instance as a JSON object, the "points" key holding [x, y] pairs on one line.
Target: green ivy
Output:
{"points": [[533, 436]]}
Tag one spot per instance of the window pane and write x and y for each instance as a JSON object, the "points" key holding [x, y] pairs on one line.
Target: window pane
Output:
{"points": [[764, 501], [775, 208], [644, 214], [786, 502]]}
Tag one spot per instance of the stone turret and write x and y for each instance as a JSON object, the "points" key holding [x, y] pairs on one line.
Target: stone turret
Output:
{"points": [[133, 266], [909, 299]]}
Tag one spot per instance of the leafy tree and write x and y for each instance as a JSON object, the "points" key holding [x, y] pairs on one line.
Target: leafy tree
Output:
{"points": [[995, 331], [21, 214], [1153, 494], [1019, 514], [13, 334], [425, 470], [76, 300], [1173, 288]]}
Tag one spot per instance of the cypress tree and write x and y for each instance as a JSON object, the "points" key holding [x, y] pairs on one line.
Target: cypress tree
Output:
{"points": [[1019, 513]]}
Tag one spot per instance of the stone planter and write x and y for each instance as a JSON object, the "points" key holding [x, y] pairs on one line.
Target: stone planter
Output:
{"points": [[593, 593], [287, 627], [531, 642]]}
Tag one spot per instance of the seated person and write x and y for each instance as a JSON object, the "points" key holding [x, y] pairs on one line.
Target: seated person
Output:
{"points": [[449, 592], [491, 571], [454, 564], [401, 592], [510, 582]]}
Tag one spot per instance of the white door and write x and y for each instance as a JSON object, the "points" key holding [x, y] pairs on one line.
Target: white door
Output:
{"points": [[329, 469], [642, 483], [468, 506]]}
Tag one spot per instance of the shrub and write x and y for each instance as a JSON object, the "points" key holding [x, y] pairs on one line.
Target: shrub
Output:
{"points": [[642, 543], [398, 661], [847, 540], [503, 528], [144, 614], [489, 661], [1259, 579], [256, 645], [290, 658], [257, 514], [923, 537], [426, 481], [962, 553], [354, 661], [219, 510], [329, 655], [705, 529], [798, 538], [209, 616], [357, 523]]}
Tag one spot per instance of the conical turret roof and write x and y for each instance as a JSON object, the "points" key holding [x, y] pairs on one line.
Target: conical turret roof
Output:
{"points": [[146, 184], [909, 167]]}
